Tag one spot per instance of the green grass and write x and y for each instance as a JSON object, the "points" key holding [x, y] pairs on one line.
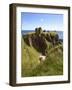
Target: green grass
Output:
{"points": [[31, 66], [30, 59], [53, 65]]}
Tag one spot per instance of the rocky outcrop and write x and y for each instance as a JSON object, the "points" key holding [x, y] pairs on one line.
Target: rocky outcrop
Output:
{"points": [[38, 39]]}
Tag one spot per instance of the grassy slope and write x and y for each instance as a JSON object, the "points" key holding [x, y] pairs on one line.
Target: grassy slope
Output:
{"points": [[29, 59], [53, 65]]}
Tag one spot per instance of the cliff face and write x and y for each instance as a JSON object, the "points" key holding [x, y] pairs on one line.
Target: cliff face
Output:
{"points": [[39, 40], [46, 44]]}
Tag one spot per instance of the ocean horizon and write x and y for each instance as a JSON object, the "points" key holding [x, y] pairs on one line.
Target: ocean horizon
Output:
{"points": [[60, 33]]}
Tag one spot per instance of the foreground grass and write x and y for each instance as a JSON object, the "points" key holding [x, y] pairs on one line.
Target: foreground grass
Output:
{"points": [[53, 65], [31, 66], [29, 59]]}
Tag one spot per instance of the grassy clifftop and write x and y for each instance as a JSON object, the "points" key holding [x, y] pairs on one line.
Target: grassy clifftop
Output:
{"points": [[41, 43]]}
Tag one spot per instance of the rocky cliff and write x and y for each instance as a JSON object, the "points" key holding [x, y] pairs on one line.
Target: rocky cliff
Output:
{"points": [[41, 40]]}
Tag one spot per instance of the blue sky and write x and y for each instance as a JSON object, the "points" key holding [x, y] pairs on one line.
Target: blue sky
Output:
{"points": [[29, 21]]}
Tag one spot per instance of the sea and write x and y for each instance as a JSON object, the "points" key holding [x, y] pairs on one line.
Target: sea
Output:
{"points": [[60, 33]]}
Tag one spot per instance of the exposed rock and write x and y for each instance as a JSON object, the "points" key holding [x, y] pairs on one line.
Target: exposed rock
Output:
{"points": [[38, 39]]}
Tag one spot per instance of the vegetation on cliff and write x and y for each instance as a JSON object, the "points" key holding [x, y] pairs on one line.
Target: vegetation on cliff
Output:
{"points": [[46, 43]]}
